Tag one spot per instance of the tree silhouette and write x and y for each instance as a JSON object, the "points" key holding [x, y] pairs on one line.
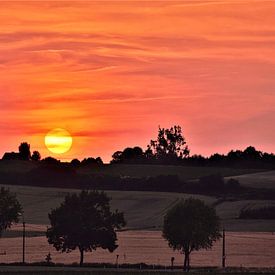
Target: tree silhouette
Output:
{"points": [[250, 153], [84, 221], [75, 163], [92, 161], [170, 145], [50, 160], [10, 209], [191, 225], [24, 151], [35, 156], [128, 155], [117, 157]]}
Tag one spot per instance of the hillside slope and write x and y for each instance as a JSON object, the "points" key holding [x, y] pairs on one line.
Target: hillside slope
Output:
{"points": [[258, 180], [183, 172], [143, 210]]}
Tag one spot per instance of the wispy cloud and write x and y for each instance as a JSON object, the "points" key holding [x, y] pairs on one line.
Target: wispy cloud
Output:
{"points": [[121, 69]]}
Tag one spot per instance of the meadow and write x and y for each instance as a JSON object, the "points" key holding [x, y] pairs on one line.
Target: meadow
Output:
{"points": [[264, 179], [142, 209], [145, 210], [183, 172], [137, 170], [32, 270]]}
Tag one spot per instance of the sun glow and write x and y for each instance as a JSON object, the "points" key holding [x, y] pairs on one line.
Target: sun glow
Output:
{"points": [[58, 141]]}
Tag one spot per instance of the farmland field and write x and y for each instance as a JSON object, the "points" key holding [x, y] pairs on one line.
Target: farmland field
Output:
{"points": [[126, 170], [33, 270], [143, 210], [142, 242], [242, 249], [258, 180], [184, 172], [16, 166]]}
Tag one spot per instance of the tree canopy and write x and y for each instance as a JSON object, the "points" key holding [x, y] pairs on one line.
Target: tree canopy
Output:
{"points": [[191, 225], [129, 155], [24, 151], [84, 221], [169, 145], [35, 156], [10, 209]]}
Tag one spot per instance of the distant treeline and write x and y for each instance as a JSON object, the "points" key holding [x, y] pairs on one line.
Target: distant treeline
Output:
{"points": [[65, 175], [249, 158], [168, 148]]}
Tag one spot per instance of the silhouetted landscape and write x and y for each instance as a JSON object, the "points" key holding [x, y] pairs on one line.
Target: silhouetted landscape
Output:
{"points": [[164, 174], [165, 166], [137, 137]]}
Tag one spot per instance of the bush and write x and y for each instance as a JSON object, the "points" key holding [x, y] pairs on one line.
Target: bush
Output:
{"points": [[212, 183], [267, 213]]}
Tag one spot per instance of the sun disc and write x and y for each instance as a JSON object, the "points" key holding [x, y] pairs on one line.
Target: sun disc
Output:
{"points": [[58, 141]]}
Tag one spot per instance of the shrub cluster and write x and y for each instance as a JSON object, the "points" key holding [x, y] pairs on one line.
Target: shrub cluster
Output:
{"points": [[267, 213]]}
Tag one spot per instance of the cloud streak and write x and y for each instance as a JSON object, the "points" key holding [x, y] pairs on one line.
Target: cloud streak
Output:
{"points": [[116, 72]]}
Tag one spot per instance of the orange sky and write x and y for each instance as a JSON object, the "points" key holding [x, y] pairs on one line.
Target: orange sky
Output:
{"points": [[110, 72]]}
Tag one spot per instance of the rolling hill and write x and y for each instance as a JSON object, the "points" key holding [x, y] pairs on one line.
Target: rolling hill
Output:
{"points": [[258, 180], [143, 210]]}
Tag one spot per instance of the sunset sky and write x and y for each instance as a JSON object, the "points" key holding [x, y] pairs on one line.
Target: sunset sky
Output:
{"points": [[110, 72]]}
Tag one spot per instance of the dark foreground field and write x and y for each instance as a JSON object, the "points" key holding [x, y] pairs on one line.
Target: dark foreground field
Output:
{"points": [[34, 270]]}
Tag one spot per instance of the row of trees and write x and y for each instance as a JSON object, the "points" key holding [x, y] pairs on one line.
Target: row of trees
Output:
{"points": [[24, 153], [84, 221], [250, 157], [169, 147]]}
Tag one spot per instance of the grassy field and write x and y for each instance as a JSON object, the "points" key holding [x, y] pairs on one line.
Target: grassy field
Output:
{"points": [[258, 180], [34, 270], [143, 210], [184, 172], [16, 166]]}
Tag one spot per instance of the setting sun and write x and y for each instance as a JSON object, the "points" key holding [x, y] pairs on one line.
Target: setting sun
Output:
{"points": [[58, 141]]}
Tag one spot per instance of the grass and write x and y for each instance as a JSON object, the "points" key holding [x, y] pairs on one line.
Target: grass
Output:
{"points": [[143, 210], [60, 270], [127, 170], [16, 166], [258, 180], [34, 270], [184, 172]]}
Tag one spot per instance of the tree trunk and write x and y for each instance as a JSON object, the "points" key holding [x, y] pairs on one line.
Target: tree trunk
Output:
{"points": [[81, 256], [186, 264]]}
